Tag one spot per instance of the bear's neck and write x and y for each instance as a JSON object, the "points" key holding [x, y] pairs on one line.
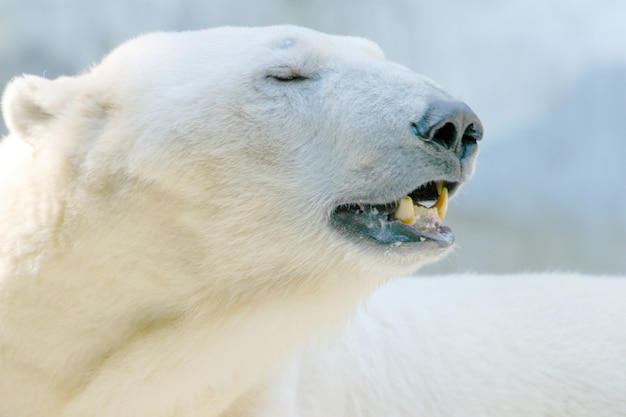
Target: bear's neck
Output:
{"points": [[94, 305], [90, 311], [77, 337]]}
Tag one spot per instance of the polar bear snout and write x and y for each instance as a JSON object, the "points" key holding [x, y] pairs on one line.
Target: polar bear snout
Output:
{"points": [[451, 124]]}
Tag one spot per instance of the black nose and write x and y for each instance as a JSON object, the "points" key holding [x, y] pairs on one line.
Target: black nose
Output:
{"points": [[451, 124]]}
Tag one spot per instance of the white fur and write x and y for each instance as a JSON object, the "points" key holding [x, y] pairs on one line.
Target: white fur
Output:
{"points": [[165, 247], [475, 346]]}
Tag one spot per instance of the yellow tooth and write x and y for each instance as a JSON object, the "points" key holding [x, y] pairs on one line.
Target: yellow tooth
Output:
{"points": [[423, 211], [440, 187], [405, 211], [442, 203]]}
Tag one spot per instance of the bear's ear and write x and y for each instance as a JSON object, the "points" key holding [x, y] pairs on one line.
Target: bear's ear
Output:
{"points": [[29, 103]]}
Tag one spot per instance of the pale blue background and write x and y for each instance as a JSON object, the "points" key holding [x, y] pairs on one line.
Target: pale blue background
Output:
{"points": [[547, 77]]}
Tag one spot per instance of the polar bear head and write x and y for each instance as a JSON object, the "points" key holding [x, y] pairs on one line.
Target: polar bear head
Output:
{"points": [[277, 153]]}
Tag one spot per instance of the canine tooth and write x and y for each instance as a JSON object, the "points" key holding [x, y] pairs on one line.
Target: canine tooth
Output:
{"points": [[405, 211], [442, 203], [440, 187]]}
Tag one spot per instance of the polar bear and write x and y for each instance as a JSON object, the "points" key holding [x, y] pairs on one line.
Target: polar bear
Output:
{"points": [[192, 228]]}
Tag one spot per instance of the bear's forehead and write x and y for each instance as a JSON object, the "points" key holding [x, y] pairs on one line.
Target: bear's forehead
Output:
{"points": [[293, 37], [242, 43]]}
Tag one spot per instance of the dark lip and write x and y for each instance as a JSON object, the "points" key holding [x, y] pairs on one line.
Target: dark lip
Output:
{"points": [[370, 223], [393, 233]]}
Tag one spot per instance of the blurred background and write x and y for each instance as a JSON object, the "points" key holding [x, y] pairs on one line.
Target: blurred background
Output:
{"points": [[547, 78]]}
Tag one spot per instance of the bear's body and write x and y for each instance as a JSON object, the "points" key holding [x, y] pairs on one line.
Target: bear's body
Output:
{"points": [[182, 221], [475, 346]]}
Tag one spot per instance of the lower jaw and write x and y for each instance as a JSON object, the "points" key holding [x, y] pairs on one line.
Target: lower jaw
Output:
{"points": [[383, 233], [383, 262]]}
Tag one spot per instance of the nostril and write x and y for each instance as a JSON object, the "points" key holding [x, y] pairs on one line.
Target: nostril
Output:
{"points": [[471, 135], [470, 138], [445, 135], [449, 124]]}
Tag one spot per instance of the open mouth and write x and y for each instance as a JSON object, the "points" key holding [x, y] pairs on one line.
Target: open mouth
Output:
{"points": [[414, 218]]}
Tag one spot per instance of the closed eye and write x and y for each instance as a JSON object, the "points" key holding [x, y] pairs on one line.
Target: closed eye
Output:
{"points": [[286, 73], [287, 77]]}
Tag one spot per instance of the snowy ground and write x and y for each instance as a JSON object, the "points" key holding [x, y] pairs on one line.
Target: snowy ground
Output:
{"points": [[547, 77]]}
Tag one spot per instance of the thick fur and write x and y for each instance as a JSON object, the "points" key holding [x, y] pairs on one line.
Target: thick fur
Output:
{"points": [[166, 247], [525, 345]]}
